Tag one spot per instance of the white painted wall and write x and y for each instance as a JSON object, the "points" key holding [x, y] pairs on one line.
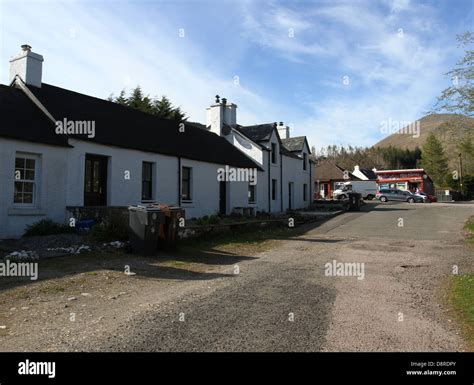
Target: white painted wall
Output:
{"points": [[121, 191], [61, 179], [51, 186], [272, 169], [61, 182], [245, 145], [204, 189], [293, 172]]}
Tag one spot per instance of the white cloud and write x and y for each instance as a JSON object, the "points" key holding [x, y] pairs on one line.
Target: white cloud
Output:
{"points": [[394, 66], [106, 53], [391, 76], [398, 5]]}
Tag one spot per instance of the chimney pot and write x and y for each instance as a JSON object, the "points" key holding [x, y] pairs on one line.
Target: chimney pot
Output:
{"points": [[224, 101], [26, 47]]}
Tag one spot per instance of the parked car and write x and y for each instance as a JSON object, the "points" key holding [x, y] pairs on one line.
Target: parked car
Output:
{"points": [[429, 198], [386, 195]]}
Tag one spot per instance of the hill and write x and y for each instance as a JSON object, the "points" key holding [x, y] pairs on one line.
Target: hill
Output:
{"points": [[450, 129]]}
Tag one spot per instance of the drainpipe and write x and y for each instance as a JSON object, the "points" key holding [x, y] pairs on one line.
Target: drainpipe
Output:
{"points": [[281, 182], [269, 183], [310, 184], [179, 181]]}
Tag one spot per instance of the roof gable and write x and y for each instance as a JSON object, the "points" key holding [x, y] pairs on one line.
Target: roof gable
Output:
{"points": [[326, 170], [294, 144]]}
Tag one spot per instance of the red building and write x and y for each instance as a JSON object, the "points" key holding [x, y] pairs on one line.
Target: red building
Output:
{"points": [[411, 180]]}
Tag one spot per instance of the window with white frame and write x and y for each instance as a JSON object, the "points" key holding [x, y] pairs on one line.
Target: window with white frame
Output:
{"points": [[26, 178]]}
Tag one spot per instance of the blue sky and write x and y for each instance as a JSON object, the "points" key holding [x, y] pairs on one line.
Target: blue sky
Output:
{"points": [[333, 70]]}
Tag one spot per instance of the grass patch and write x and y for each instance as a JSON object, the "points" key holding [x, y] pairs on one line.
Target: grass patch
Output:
{"points": [[462, 300], [175, 263], [51, 287], [22, 294], [469, 227], [254, 237]]}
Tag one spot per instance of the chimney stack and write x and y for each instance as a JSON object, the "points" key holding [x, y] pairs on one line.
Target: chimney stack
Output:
{"points": [[220, 113], [283, 131], [28, 66]]}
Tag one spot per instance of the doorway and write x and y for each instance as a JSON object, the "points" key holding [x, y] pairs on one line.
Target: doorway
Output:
{"points": [[223, 197], [95, 180]]}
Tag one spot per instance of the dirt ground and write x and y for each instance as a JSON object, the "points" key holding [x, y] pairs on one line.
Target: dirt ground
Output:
{"points": [[88, 303], [80, 297]]}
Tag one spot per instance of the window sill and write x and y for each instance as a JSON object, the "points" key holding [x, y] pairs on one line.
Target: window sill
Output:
{"points": [[25, 211]]}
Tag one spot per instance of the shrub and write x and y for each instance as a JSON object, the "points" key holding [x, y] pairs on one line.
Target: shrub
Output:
{"points": [[214, 220], [113, 228], [207, 220], [47, 227]]}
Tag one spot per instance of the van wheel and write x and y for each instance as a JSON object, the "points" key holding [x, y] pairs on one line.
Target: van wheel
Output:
{"points": [[342, 197], [411, 200], [370, 197], [383, 199]]}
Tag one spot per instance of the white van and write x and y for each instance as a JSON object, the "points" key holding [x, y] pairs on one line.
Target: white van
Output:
{"points": [[367, 188]]}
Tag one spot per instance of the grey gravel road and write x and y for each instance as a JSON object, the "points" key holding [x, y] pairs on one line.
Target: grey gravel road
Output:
{"points": [[283, 301]]}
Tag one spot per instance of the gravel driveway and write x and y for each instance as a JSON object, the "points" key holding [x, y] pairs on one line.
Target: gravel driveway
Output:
{"points": [[283, 301]]}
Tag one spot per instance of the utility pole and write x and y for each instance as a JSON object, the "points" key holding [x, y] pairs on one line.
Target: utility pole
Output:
{"points": [[460, 174]]}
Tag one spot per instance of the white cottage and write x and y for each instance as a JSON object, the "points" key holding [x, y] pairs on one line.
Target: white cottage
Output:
{"points": [[287, 171], [59, 148]]}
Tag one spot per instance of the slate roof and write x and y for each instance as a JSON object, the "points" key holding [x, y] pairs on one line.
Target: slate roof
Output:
{"points": [[287, 152], [263, 132], [23, 120], [326, 170], [115, 125], [294, 144], [197, 124], [368, 173], [258, 132]]}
